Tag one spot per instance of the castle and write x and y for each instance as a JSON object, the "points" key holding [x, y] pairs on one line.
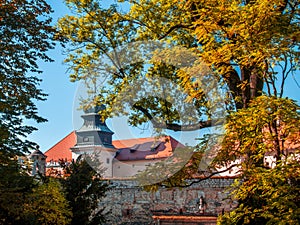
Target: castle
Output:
{"points": [[126, 200]]}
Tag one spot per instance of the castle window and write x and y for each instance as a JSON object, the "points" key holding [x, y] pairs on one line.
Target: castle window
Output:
{"points": [[85, 139], [107, 160], [105, 140]]}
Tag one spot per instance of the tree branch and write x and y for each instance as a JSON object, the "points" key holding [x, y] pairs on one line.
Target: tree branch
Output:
{"points": [[178, 127], [172, 29], [195, 181]]}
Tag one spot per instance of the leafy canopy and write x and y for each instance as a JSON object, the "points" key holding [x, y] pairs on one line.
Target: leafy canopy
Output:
{"points": [[26, 35], [246, 44], [46, 204], [269, 125], [264, 141], [267, 197], [15, 186], [28, 201], [84, 188]]}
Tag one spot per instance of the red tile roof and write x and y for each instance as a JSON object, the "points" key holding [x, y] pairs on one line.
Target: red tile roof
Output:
{"points": [[61, 150], [182, 219], [145, 148], [130, 149]]}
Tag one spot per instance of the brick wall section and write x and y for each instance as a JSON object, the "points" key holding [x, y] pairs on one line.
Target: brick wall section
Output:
{"points": [[127, 203]]}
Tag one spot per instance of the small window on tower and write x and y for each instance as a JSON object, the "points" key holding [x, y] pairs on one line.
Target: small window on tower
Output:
{"points": [[85, 139], [107, 160], [105, 140]]}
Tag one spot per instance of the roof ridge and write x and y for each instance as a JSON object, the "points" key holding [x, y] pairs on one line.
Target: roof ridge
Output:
{"points": [[143, 138]]}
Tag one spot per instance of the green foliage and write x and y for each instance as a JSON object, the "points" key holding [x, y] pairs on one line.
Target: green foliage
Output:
{"points": [[247, 44], [97, 32], [84, 188], [46, 204], [268, 125], [15, 186], [267, 196], [26, 35], [24, 200], [266, 193]]}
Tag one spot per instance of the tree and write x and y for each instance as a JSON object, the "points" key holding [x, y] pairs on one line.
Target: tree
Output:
{"points": [[247, 44], [267, 191], [28, 201], [26, 35], [267, 197], [84, 189], [46, 204], [15, 186]]}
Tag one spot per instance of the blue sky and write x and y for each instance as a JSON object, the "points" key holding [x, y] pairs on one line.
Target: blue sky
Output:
{"points": [[59, 106]]}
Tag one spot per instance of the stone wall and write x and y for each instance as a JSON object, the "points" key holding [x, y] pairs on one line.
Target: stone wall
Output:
{"points": [[127, 203], [130, 168]]}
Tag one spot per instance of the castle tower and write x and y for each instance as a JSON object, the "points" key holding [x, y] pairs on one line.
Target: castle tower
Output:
{"points": [[94, 137], [39, 162]]}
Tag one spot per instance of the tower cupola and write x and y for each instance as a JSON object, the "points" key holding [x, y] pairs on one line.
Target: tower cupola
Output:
{"points": [[95, 138], [94, 130]]}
